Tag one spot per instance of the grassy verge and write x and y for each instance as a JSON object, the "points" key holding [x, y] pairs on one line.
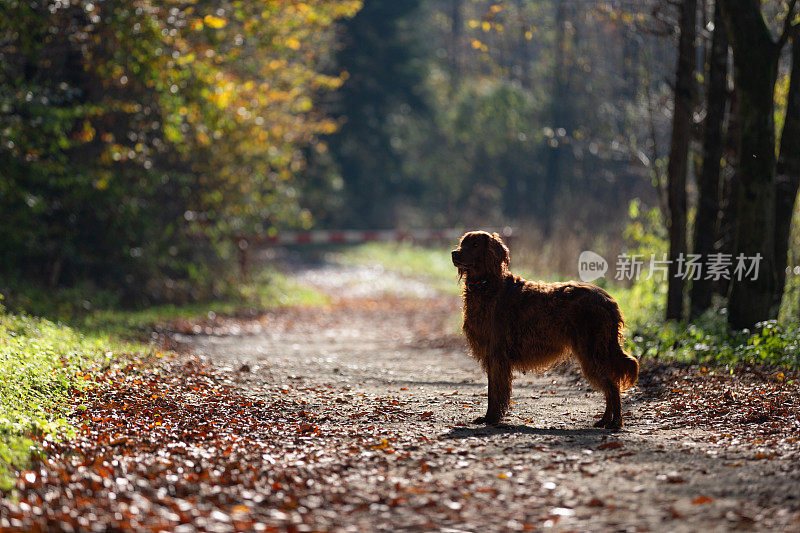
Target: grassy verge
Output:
{"points": [[709, 340], [266, 289], [44, 361], [41, 364], [88, 310]]}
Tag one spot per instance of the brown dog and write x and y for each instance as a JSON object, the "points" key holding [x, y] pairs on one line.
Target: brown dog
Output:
{"points": [[514, 324]]}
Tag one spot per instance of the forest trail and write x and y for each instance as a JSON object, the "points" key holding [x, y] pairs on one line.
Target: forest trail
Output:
{"points": [[356, 417], [387, 352]]}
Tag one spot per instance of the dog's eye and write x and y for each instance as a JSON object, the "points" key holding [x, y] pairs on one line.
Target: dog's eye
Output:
{"points": [[475, 245]]}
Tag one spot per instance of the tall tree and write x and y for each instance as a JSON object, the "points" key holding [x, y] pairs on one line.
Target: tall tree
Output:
{"points": [[558, 156], [755, 55], [679, 155], [706, 220], [787, 178], [126, 127], [385, 79]]}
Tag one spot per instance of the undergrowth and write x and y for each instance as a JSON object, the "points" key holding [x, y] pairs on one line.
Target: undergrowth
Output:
{"points": [[709, 340], [90, 310], [41, 364], [44, 360]]}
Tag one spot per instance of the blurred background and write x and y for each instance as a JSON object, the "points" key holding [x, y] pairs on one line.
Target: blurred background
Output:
{"points": [[142, 140]]}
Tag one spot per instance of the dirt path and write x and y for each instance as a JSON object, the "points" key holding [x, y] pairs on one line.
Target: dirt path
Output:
{"points": [[683, 462], [355, 417]]}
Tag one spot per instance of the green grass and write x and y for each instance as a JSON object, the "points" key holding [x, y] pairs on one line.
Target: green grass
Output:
{"points": [[41, 364], [431, 264], [266, 289], [428, 263], [42, 361], [90, 310]]}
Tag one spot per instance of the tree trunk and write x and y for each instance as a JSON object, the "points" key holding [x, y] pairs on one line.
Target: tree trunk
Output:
{"points": [[755, 57], [730, 190], [679, 155], [455, 42], [705, 225], [787, 176], [560, 116]]}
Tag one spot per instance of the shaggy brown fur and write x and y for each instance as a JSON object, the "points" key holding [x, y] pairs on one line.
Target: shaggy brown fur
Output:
{"points": [[514, 324]]}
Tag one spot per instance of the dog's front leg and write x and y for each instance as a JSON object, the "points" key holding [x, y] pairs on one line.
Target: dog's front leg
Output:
{"points": [[499, 372]]}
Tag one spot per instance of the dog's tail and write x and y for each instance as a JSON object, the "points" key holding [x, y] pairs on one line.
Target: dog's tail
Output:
{"points": [[626, 367]]}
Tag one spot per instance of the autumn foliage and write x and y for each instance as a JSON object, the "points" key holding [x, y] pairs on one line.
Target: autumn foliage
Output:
{"points": [[125, 125]]}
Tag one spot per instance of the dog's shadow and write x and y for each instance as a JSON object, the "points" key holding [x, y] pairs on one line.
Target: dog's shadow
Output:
{"points": [[462, 432]]}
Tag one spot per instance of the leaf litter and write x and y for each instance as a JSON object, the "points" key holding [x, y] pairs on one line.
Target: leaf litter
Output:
{"points": [[208, 443]]}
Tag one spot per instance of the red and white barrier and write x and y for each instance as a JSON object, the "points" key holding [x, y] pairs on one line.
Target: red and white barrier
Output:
{"points": [[357, 236], [290, 238]]}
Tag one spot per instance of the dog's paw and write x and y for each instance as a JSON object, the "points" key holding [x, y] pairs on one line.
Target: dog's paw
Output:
{"points": [[613, 425], [489, 421]]}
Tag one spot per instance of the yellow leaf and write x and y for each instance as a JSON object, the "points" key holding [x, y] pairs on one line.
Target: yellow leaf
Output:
{"points": [[293, 43], [382, 446], [214, 22]]}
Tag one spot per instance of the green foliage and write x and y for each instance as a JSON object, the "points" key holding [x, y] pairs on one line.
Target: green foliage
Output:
{"points": [[646, 232], [384, 87], [87, 308], [130, 129], [267, 289], [641, 303], [790, 304], [710, 340], [41, 364]]}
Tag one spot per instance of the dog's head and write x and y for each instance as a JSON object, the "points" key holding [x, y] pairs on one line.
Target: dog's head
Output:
{"points": [[481, 254]]}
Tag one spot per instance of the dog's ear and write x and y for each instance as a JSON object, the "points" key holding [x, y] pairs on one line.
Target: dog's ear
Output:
{"points": [[500, 249]]}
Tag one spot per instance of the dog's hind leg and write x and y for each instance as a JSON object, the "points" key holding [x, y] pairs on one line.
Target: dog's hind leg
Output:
{"points": [[607, 415], [499, 372], [593, 363], [612, 417]]}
